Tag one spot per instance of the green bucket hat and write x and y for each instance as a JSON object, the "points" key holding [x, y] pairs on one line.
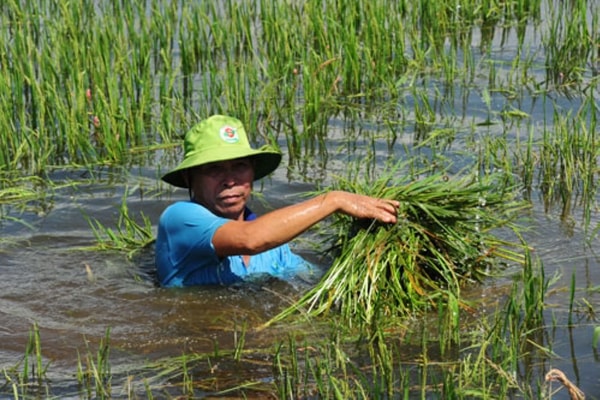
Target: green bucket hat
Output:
{"points": [[221, 138]]}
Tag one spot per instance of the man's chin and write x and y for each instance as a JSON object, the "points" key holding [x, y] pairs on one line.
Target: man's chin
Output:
{"points": [[231, 212]]}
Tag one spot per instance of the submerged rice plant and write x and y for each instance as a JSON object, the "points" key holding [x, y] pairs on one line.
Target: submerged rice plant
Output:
{"points": [[130, 236], [571, 41], [445, 240], [28, 378]]}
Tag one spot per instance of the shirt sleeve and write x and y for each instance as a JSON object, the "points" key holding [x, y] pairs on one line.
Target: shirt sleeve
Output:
{"points": [[184, 244]]}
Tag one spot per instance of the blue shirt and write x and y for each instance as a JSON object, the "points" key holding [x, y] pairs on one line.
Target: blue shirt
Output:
{"points": [[185, 255]]}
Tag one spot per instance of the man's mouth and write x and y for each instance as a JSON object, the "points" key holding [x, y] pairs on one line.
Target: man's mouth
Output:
{"points": [[229, 198]]}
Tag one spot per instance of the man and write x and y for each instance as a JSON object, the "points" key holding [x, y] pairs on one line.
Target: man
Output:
{"points": [[214, 239]]}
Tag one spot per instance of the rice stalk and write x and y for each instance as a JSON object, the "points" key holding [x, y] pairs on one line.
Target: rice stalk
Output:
{"points": [[444, 240], [130, 235]]}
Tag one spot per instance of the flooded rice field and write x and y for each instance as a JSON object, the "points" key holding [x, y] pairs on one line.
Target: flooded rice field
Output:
{"points": [[75, 295], [495, 93]]}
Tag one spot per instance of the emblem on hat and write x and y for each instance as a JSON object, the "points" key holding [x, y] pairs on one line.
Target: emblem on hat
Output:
{"points": [[229, 134]]}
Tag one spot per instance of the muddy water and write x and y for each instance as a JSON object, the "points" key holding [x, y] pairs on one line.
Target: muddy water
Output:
{"points": [[75, 295]]}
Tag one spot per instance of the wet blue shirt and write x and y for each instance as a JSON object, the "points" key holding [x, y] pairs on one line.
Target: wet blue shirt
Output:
{"points": [[185, 255]]}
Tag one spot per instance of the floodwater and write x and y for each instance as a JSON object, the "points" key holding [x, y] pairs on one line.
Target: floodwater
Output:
{"points": [[75, 295]]}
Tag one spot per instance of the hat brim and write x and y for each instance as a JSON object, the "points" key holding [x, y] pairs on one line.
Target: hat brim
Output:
{"points": [[266, 161]]}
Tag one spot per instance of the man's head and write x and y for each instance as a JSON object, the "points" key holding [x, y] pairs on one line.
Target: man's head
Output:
{"points": [[224, 187], [216, 139]]}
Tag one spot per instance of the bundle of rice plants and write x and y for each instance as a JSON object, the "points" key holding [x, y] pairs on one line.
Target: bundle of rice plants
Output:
{"points": [[447, 236]]}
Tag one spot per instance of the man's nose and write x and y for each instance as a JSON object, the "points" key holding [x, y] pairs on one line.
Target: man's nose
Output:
{"points": [[229, 176]]}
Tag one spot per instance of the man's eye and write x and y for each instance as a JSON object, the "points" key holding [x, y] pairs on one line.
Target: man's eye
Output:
{"points": [[243, 164], [212, 170]]}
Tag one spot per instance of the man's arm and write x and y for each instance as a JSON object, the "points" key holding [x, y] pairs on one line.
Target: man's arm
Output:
{"points": [[280, 226]]}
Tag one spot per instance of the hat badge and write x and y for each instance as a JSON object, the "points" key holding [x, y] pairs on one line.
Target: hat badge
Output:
{"points": [[229, 134]]}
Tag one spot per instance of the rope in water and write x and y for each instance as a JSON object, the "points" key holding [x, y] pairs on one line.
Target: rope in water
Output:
{"points": [[556, 375]]}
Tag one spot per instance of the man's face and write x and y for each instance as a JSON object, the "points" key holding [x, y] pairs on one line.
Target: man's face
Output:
{"points": [[224, 187]]}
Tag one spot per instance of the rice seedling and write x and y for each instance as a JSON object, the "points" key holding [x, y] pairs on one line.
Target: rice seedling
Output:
{"points": [[83, 90], [28, 378], [94, 371], [568, 161], [572, 299], [239, 341], [569, 43], [191, 373], [19, 194], [444, 241], [409, 365], [130, 235], [596, 338]]}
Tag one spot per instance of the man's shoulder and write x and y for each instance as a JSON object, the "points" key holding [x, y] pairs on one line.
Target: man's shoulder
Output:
{"points": [[187, 210], [181, 205]]}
